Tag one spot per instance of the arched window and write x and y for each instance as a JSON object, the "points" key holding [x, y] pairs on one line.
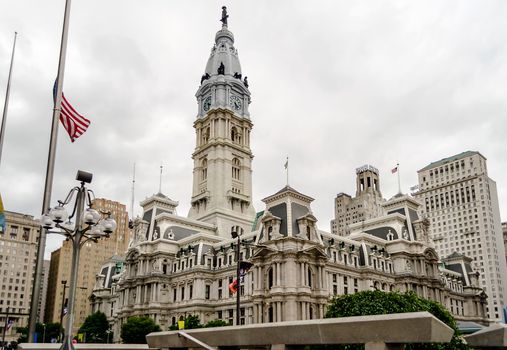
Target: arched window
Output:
{"points": [[204, 169], [309, 277], [235, 135], [308, 231], [236, 169], [270, 278]]}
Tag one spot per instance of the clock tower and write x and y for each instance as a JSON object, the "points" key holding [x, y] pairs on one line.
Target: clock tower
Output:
{"points": [[222, 176]]}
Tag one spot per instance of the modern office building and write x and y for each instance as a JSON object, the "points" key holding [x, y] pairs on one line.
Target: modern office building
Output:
{"points": [[18, 251], [461, 202], [178, 266], [504, 231], [44, 290], [92, 257], [367, 204]]}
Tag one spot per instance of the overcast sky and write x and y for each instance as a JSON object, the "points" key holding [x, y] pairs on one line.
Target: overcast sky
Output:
{"points": [[335, 85]]}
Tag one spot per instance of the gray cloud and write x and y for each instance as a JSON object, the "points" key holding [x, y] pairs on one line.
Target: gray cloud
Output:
{"points": [[335, 84]]}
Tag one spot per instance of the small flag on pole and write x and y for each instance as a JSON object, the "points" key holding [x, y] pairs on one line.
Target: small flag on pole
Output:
{"points": [[9, 324], [233, 287], [2, 216], [394, 170], [72, 121], [414, 188], [244, 267], [286, 163]]}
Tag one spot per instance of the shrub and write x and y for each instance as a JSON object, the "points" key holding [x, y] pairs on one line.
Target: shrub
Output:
{"points": [[379, 303]]}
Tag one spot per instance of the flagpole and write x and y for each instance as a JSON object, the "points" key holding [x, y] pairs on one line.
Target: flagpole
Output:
{"points": [[399, 183], [287, 168], [6, 103], [160, 180], [133, 188], [49, 175]]}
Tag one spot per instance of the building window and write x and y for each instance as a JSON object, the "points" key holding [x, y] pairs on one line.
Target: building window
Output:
{"points": [[242, 316], [235, 135], [207, 292], [236, 169], [270, 278], [14, 232], [231, 315], [204, 169], [205, 136], [26, 234]]}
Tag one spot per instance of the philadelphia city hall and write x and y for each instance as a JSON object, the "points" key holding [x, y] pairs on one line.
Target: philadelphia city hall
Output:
{"points": [[179, 266]]}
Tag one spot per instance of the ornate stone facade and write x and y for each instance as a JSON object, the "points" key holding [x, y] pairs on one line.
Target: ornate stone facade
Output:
{"points": [[367, 203], [179, 266]]}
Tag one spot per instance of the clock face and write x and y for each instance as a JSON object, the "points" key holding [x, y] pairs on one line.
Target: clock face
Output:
{"points": [[235, 102], [206, 104]]}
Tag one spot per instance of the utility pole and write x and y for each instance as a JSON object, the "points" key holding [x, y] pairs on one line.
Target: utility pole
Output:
{"points": [[64, 282], [5, 327], [237, 234]]}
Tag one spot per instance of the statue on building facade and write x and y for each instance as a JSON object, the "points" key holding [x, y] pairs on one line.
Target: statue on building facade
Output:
{"points": [[221, 69]]}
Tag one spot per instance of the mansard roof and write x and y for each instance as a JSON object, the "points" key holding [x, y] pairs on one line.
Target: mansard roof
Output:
{"points": [[451, 159], [288, 190]]}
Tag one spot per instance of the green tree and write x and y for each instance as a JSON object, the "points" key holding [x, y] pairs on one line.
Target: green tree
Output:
{"points": [[52, 331], [94, 328], [191, 322], [216, 323], [379, 303], [136, 328]]}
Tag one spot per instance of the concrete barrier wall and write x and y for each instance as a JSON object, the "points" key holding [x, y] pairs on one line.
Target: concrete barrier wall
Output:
{"points": [[82, 346], [377, 332]]}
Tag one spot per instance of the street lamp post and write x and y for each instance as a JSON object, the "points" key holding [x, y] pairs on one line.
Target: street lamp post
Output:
{"points": [[237, 234], [64, 282], [89, 225], [5, 327], [44, 333], [108, 332]]}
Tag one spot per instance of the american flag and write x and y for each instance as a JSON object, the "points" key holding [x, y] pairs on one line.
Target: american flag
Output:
{"points": [[9, 324], [72, 121]]}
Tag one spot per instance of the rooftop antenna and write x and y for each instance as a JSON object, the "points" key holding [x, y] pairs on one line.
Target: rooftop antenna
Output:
{"points": [[133, 187], [160, 181]]}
